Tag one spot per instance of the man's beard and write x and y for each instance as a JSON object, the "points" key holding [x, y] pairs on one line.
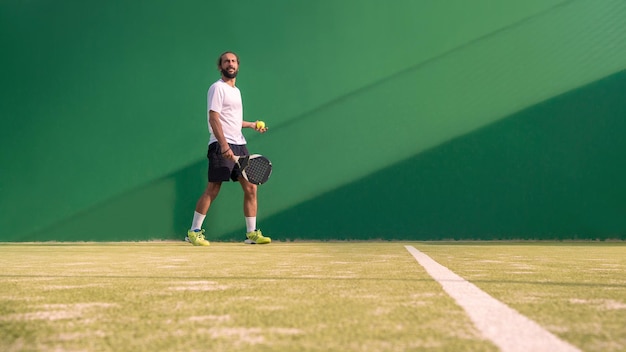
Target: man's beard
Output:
{"points": [[228, 74]]}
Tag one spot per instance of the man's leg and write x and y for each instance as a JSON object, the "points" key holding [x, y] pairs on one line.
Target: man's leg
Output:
{"points": [[249, 197], [209, 195], [196, 233], [253, 235]]}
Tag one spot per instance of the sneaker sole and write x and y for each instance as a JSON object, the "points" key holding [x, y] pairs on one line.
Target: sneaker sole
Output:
{"points": [[249, 241]]}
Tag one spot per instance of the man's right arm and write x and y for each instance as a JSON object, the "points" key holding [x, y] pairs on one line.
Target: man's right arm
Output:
{"points": [[216, 126]]}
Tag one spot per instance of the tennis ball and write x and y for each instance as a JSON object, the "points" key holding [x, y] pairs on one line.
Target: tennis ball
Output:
{"points": [[260, 125]]}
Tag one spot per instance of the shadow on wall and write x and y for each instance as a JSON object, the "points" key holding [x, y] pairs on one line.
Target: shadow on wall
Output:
{"points": [[552, 171], [159, 210]]}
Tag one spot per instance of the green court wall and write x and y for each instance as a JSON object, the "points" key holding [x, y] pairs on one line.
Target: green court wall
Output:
{"points": [[399, 120]]}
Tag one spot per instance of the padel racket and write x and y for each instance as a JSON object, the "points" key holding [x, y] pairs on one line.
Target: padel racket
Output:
{"points": [[255, 168]]}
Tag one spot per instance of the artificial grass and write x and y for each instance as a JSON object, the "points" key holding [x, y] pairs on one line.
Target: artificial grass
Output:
{"points": [[172, 296], [298, 296], [576, 290]]}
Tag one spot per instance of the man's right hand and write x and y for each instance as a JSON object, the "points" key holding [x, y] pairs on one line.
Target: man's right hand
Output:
{"points": [[228, 154]]}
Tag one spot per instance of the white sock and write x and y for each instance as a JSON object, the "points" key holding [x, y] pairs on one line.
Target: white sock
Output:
{"points": [[251, 223], [198, 219]]}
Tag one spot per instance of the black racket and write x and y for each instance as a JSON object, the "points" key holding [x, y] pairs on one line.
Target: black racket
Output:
{"points": [[255, 168]]}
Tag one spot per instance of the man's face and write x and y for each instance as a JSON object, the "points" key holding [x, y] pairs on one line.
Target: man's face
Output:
{"points": [[229, 65]]}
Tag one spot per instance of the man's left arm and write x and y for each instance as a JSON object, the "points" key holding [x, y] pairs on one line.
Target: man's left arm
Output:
{"points": [[254, 125]]}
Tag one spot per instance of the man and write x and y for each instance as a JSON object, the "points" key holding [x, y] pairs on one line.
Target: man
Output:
{"points": [[225, 118]]}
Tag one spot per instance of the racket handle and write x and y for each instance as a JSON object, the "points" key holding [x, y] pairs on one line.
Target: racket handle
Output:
{"points": [[242, 161]]}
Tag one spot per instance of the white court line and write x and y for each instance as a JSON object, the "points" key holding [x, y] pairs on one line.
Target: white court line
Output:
{"points": [[504, 326]]}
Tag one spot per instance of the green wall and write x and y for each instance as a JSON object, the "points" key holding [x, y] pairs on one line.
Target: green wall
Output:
{"points": [[419, 119]]}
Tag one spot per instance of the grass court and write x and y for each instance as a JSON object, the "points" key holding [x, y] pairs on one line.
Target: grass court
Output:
{"points": [[300, 296]]}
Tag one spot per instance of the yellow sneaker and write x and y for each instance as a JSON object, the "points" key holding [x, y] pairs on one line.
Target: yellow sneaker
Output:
{"points": [[256, 237], [196, 237]]}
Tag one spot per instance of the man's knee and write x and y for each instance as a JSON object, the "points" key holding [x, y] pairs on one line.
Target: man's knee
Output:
{"points": [[213, 189], [249, 189]]}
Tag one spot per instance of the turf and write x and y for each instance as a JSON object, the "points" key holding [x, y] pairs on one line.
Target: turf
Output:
{"points": [[575, 290], [346, 296]]}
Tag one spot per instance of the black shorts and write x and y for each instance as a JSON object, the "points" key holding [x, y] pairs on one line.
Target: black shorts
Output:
{"points": [[220, 168]]}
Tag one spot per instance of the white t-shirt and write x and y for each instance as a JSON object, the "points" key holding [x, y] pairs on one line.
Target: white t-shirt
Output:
{"points": [[226, 101]]}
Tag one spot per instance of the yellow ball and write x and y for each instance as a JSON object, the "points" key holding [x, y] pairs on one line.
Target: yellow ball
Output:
{"points": [[260, 125]]}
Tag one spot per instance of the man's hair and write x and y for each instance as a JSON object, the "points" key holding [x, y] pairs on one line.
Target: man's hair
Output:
{"points": [[219, 59]]}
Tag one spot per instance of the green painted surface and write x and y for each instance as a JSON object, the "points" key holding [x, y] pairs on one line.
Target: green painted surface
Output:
{"points": [[419, 120]]}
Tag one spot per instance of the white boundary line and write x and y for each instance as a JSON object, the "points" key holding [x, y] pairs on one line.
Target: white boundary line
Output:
{"points": [[504, 326]]}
